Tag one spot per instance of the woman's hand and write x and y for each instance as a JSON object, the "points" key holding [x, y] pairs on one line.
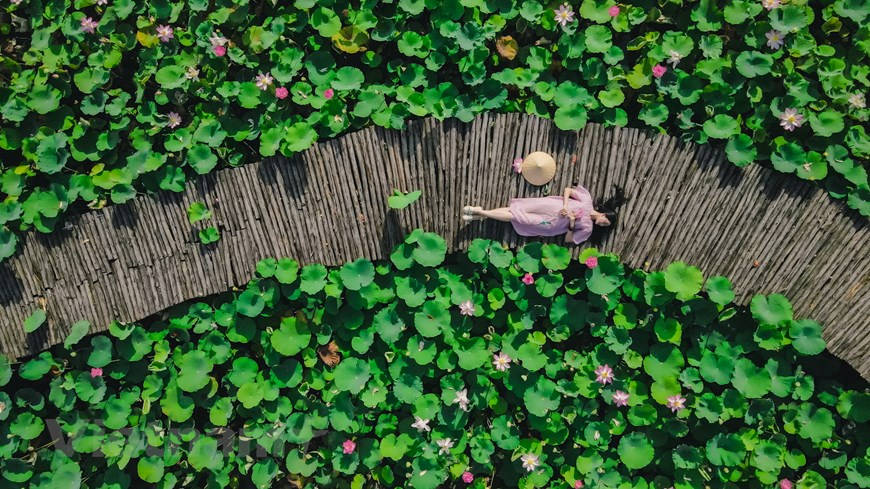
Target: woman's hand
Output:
{"points": [[566, 213]]}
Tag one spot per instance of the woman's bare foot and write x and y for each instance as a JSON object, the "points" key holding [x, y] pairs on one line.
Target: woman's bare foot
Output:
{"points": [[470, 213]]}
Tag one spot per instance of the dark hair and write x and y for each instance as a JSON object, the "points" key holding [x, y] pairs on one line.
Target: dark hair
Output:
{"points": [[609, 208]]}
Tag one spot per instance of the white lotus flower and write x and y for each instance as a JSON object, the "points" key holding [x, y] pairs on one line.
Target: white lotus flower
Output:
{"points": [[421, 424], [445, 445], [530, 461]]}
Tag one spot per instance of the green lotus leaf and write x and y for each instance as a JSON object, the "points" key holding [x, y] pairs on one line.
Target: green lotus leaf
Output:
{"points": [[400, 200], [721, 127], [555, 257], [150, 469], [250, 303], [683, 280], [788, 158], [654, 114], [201, 159], [197, 211], [194, 368], [740, 150], [542, 397], [300, 463], [44, 99], [859, 199], [789, 18], [635, 451], [472, 353], [768, 456], [348, 78], [726, 450], [432, 319], [773, 309], [826, 123], [52, 153], [171, 76], [8, 243], [17, 471], [204, 454], [687, 457], [101, 352], [430, 251], [313, 278], [598, 38], [250, 395], [408, 388], [26, 426], [570, 118], [851, 405], [719, 290], [34, 321], [856, 10], [753, 64], [606, 277], [292, 337], [596, 10], [858, 472], [816, 424], [357, 274], [286, 270], [664, 360], [806, 336], [5, 371], [351, 375], [749, 380]]}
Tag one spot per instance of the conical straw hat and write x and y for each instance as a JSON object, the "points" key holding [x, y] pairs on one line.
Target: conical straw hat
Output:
{"points": [[539, 168]]}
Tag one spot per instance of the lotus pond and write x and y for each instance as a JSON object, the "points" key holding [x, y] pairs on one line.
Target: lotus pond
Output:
{"points": [[490, 368], [104, 99]]}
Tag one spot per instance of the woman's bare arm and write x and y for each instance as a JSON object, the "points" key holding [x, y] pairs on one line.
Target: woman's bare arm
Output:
{"points": [[569, 236], [565, 195]]}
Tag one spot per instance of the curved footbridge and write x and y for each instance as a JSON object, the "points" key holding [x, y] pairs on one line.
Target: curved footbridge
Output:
{"points": [[766, 231]]}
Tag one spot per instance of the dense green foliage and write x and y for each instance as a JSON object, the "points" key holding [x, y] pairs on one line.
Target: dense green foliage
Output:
{"points": [[399, 357], [162, 90]]}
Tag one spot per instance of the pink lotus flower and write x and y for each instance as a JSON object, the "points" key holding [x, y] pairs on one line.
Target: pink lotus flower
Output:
{"points": [[592, 262], [174, 120], [677, 403], [613, 11], [501, 362], [281, 92], [96, 372], [328, 93], [620, 398], [467, 477], [528, 279], [775, 39], [604, 374], [517, 165], [659, 71], [89, 25], [771, 4], [219, 50], [785, 484], [578, 484], [467, 308], [348, 447], [564, 15], [790, 119], [165, 33]]}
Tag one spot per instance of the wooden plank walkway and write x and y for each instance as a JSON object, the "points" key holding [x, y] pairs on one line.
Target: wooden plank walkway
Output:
{"points": [[328, 205]]}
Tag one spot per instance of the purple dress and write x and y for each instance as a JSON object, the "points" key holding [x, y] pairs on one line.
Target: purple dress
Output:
{"points": [[540, 216]]}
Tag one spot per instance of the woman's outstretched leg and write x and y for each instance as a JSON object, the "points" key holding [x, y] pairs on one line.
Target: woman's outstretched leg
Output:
{"points": [[500, 214]]}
